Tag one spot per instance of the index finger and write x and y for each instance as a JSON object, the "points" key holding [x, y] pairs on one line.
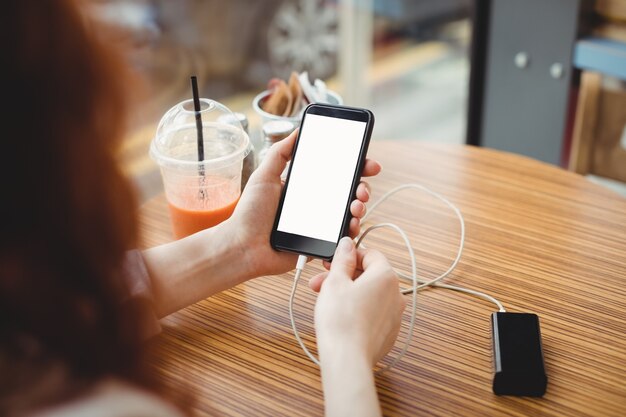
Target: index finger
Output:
{"points": [[371, 259]]}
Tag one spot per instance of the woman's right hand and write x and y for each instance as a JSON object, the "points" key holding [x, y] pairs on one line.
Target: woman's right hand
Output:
{"points": [[359, 307]]}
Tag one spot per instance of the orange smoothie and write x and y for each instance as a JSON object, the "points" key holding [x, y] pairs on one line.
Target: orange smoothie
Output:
{"points": [[186, 222]]}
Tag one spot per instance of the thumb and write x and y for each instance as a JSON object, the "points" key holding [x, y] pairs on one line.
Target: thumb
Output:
{"points": [[344, 261], [277, 157]]}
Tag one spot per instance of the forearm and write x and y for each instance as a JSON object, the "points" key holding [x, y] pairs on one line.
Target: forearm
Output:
{"points": [[192, 269], [348, 383]]}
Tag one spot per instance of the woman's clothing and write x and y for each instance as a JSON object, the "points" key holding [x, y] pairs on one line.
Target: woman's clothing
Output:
{"points": [[112, 398], [135, 273]]}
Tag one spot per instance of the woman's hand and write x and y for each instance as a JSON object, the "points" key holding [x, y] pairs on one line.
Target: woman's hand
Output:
{"points": [[357, 319], [252, 221], [360, 305]]}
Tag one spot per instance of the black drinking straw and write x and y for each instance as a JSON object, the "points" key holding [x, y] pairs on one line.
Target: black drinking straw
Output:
{"points": [[200, 138], [196, 106]]}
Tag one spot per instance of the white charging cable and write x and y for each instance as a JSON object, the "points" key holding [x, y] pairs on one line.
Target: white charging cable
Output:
{"points": [[417, 284]]}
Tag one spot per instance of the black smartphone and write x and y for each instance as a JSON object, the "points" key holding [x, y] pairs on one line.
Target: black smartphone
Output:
{"points": [[325, 170]]}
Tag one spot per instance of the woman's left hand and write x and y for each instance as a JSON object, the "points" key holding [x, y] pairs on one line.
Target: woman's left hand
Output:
{"points": [[253, 219]]}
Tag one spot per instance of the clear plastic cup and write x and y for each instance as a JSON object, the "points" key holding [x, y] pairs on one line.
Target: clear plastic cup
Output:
{"points": [[200, 194]]}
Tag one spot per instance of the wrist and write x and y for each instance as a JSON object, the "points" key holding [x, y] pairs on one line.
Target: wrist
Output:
{"points": [[239, 250], [348, 382], [343, 352], [231, 253]]}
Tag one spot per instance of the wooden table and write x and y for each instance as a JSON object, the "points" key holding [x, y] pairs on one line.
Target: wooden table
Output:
{"points": [[539, 239]]}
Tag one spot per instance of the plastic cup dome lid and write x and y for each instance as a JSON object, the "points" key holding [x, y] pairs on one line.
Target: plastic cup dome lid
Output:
{"points": [[176, 130]]}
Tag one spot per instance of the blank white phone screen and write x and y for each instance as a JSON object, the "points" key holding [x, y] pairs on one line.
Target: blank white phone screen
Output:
{"points": [[321, 176]]}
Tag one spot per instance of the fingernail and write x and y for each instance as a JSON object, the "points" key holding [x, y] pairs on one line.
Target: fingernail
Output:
{"points": [[363, 208], [345, 245], [367, 191]]}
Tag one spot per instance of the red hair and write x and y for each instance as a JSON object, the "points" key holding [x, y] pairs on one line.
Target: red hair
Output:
{"points": [[67, 212]]}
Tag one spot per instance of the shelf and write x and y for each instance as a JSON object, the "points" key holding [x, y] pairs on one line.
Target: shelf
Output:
{"points": [[601, 55]]}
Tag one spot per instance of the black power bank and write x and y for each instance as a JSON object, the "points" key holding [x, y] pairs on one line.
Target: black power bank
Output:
{"points": [[517, 354]]}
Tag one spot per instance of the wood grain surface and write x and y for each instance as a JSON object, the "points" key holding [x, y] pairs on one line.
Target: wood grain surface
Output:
{"points": [[539, 239]]}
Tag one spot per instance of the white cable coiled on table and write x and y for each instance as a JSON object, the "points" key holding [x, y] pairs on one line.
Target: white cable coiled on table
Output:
{"points": [[417, 284]]}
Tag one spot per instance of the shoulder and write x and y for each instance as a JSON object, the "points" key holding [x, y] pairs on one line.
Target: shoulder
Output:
{"points": [[113, 398]]}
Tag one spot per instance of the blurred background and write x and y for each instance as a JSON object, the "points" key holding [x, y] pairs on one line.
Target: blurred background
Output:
{"points": [[407, 60]]}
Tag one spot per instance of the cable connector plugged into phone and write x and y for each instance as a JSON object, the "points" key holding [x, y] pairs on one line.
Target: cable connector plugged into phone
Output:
{"points": [[301, 263]]}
